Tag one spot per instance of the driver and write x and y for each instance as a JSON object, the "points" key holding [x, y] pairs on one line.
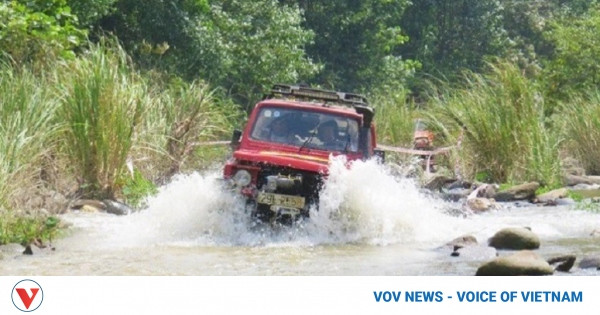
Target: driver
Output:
{"points": [[279, 131]]}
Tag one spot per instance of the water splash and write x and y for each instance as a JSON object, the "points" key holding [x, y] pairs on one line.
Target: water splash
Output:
{"points": [[367, 204], [363, 204]]}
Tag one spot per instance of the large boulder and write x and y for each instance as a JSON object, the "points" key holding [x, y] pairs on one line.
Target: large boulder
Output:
{"points": [[573, 180], [552, 196], [108, 206], [563, 263], [479, 201], [594, 179], [590, 262], [118, 208], [456, 194], [520, 192], [437, 182], [523, 263], [515, 238], [462, 241], [478, 204]]}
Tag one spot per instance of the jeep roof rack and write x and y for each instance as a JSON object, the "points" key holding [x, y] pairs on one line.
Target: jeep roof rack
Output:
{"points": [[329, 97]]}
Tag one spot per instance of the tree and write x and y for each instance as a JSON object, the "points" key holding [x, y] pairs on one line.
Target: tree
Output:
{"points": [[450, 36], [357, 42], [242, 46], [575, 62], [38, 30]]}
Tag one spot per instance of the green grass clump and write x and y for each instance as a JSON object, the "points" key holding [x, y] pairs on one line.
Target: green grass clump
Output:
{"points": [[24, 229], [136, 188], [27, 131], [581, 117], [395, 118], [505, 131], [179, 118], [102, 101]]}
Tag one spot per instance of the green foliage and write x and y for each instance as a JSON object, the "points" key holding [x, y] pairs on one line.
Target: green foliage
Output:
{"points": [[102, 105], [450, 36], [575, 196], [136, 189], [26, 130], [89, 12], [485, 177], [588, 205], [38, 30], [242, 46], [357, 41], [575, 64], [505, 130], [178, 118], [581, 122], [24, 229], [396, 117]]}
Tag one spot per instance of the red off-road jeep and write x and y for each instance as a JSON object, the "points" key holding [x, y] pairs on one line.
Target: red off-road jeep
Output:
{"points": [[281, 157]]}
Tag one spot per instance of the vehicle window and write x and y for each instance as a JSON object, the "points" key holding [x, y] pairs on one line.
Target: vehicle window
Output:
{"points": [[306, 129]]}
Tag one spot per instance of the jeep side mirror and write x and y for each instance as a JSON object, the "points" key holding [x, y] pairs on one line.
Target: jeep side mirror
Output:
{"points": [[235, 138], [380, 154]]}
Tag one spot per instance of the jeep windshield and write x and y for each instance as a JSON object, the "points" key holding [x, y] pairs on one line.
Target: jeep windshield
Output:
{"points": [[306, 129]]}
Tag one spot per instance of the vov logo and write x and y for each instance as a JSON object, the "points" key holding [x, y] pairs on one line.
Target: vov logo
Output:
{"points": [[27, 295]]}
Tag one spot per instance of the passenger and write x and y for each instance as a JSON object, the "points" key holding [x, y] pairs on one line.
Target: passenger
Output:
{"points": [[327, 133]]}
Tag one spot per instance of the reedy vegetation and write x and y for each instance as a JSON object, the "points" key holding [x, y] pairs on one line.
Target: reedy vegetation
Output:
{"points": [[91, 114]]}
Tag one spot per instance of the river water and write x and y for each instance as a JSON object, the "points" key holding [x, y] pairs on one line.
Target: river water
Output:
{"points": [[369, 223]]}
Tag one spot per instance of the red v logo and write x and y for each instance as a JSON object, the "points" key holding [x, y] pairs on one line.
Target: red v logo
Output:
{"points": [[25, 297]]}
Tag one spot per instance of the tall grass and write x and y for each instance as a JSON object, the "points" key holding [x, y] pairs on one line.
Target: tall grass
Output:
{"points": [[506, 135], [102, 99], [27, 130], [582, 128], [181, 117], [395, 117]]}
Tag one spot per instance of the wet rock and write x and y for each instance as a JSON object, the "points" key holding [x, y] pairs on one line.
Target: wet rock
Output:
{"points": [[478, 204], [552, 195], [594, 179], [523, 263], [462, 241], [565, 263], [106, 205], [520, 192], [515, 238], [590, 262], [486, 190], [585, 187], [437, 182], [28, 250], [573, 180], [456, 194], [459, 184], [116, 207], [88, 205]]}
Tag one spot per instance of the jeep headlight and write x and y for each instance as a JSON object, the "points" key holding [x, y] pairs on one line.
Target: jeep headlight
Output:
{"points": [[242, 178]]}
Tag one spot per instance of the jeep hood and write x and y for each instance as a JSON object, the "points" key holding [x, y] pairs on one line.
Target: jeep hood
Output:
{"points": [[311, 163]]}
